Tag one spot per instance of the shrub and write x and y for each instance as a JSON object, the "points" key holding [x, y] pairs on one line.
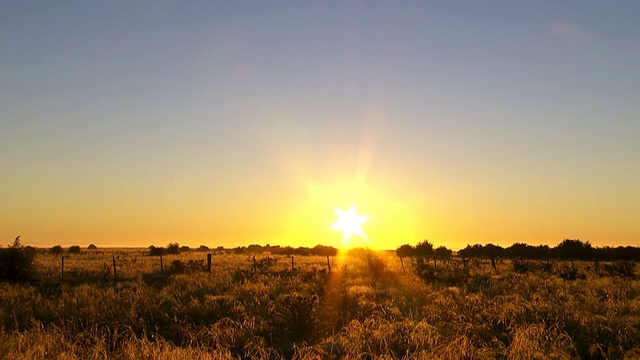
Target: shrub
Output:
{"points": [[92, 247], [75, 249], [190, 266], [203, 248], [376, 265], [173, 248], [56, 250], [295, 316], [620, 268], [265, 263], [520, 266], [17, 262], [404, 251], [448, 275], [156, 251], [177, 267], [570, 273]]}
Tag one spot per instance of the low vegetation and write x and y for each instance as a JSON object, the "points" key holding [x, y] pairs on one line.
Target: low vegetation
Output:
{"points": [[122, 304], [17, 262], [56, 250]]}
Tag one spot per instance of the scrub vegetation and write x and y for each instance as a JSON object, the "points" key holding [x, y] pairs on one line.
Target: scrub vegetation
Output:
{"points": [[268, 305]]}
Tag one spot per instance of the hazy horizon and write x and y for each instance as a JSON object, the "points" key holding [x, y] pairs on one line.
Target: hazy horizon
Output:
{"points": [[213, 247], [132, 124]]}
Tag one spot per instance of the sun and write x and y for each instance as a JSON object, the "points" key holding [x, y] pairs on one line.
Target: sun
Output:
{"points": [[349, 222]]}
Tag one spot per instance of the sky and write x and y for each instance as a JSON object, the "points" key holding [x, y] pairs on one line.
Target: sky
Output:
{"points": [[252, 122]]}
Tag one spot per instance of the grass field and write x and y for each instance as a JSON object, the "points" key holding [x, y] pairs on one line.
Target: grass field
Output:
{"points": [[365, 307]]}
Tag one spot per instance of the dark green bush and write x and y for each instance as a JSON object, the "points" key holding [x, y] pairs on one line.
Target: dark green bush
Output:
{"points": [[17, 262]]}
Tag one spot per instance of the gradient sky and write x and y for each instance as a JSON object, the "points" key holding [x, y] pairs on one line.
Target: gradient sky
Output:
{"points": [[229, 123]]}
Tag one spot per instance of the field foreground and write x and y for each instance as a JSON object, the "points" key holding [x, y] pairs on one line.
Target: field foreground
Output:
{"points": [[365, 306]]}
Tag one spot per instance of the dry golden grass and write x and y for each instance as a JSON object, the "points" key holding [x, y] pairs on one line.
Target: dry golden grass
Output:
{"points": [[368, 309]]}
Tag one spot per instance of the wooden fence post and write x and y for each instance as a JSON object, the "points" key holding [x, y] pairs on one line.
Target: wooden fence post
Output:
{"points": [[62, 270], [209, 262], [161, 265], [328, 264], [293, 267], [115, 273], [402, 263]]}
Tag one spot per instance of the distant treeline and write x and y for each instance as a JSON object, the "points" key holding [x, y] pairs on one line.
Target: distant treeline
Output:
{"points": [[319, 250], [568, 249]]}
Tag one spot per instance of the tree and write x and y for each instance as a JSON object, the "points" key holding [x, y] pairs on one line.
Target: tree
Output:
{"points": [[492, 252], [570, 249], [542, 252], [75, 249], [441, 253], [92, 247], [404, 251], [470, 252], [519, 251], [423, 250]]}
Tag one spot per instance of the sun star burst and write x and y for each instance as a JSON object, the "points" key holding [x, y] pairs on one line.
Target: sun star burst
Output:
{"points": [[349, 222]]}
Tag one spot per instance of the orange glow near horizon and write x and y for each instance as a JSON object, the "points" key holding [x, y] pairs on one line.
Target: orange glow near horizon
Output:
{"points": [[295, 207], [394, 220]]}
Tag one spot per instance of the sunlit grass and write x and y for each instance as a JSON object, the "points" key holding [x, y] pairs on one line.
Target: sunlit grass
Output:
{"points": [[365, 306]]}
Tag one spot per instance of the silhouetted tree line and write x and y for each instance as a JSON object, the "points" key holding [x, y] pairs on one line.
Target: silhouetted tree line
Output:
{"points": [[424, 251], [319, 250], [568, 249]]}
